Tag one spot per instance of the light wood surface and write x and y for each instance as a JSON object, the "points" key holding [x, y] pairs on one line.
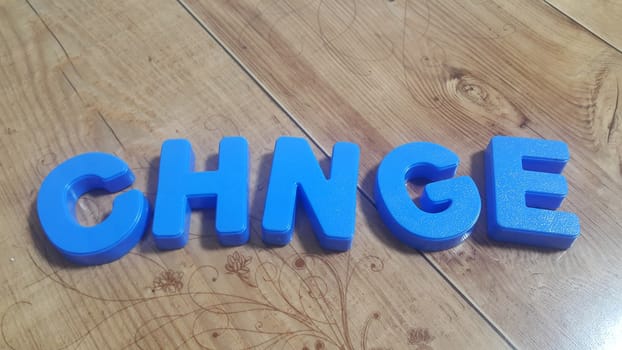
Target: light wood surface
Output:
{"points": [[458, 72], [601, 17], [122, 78]]}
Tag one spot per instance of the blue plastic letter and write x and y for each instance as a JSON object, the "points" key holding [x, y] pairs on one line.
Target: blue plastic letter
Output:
{"points": [[113, 237], [330, 203], [449, 208], [180, 189], [524, 187]]}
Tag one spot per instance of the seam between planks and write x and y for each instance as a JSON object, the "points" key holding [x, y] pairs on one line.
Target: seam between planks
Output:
{"points": [[282, 107], [71, 84], [581, 25]]}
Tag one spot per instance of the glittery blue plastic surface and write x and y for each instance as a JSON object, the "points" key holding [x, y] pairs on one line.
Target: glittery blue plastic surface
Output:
{"points": [[181, 189], [524, 186], [108, 240], [329, 203], [449, 207]]}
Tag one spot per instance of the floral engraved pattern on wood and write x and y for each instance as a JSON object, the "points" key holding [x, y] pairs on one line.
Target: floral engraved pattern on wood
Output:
{"points": [[237, 264], [168, 281], [421, 338], [263, 301], [303, 295]]}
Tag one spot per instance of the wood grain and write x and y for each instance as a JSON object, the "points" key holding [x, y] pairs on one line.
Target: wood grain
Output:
{"points": [[121, 78], [601, 17], [382, 73]]}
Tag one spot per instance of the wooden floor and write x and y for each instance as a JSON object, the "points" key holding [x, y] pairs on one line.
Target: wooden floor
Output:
{"points": [[123, 76]]}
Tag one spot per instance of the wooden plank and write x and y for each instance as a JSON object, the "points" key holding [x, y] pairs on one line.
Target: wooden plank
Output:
{"points": [[80, 76], [601, 17], [382, 73]]}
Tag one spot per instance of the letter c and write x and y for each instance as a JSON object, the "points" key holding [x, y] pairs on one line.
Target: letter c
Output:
{"points": [[110, 239]]}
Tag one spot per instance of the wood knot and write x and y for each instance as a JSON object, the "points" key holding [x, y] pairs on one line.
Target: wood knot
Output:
{"points": [[473, 91]]}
